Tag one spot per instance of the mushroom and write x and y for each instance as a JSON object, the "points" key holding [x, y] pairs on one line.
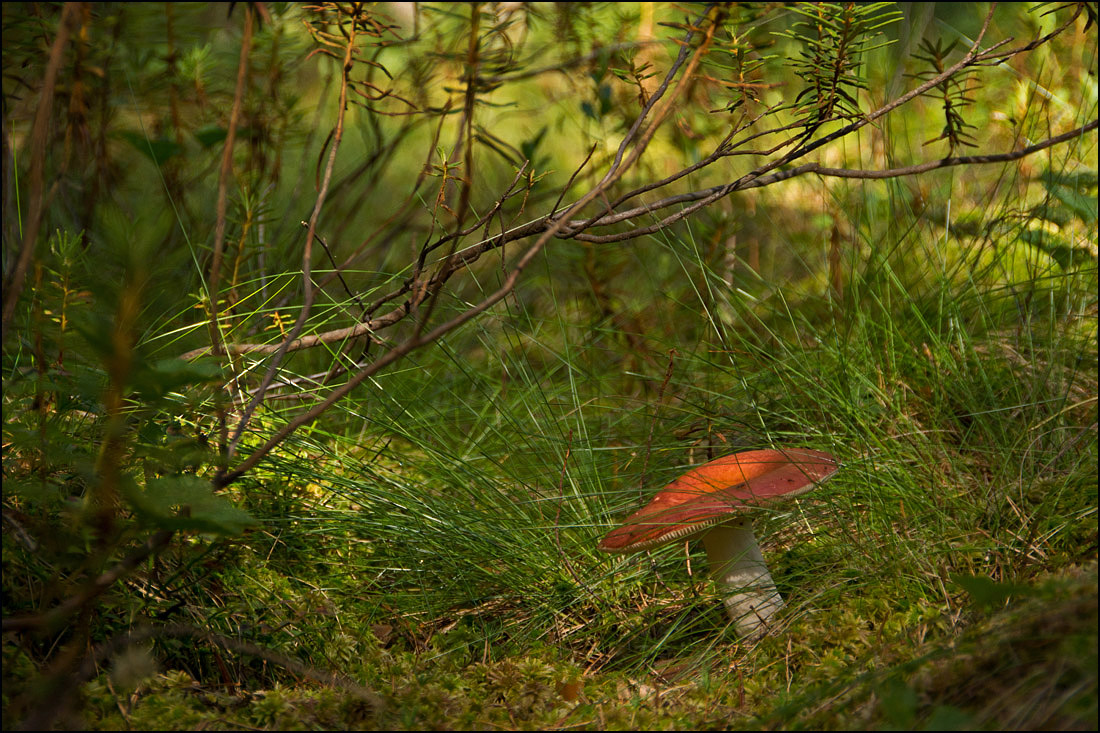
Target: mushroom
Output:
{"points": [[715, 499]]}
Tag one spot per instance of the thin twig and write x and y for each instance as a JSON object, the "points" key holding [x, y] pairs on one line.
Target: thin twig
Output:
{"points": [[422, 339], [307, 249], [708, 196], [13, 285], [328, 253], [214, 285]]}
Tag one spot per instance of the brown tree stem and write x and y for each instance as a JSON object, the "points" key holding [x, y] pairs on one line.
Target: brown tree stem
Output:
{"points": [[13, 285], [307, 249]]}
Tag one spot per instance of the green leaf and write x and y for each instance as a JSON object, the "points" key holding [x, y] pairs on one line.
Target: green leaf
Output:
{"points": [[210, 135], [988, 593], [1083, 206], [159, 150], [199, 508], [153, 381]]}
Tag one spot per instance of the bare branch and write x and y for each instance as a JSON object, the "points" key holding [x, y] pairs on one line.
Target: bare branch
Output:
{"points": [[708, 196], [419, 339], [307, 248], [704, 198]]}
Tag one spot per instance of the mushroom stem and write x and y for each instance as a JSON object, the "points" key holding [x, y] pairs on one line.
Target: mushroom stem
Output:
{"points": [[738, 566]]}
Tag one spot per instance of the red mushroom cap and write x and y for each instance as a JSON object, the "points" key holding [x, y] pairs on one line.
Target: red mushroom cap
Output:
{"points": [[709, 494]]}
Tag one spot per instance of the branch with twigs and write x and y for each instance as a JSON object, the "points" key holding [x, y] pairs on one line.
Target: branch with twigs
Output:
{"points": [[702, 199], [577, 229], [425, 283], [350, 50], [687, 58]]}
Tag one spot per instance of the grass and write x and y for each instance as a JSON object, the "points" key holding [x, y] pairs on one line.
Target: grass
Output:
{"points": [[440, 548], [436, 542]]}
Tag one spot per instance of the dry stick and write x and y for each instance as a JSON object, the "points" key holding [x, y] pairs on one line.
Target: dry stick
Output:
{"points": [[463, 257], [159, 540], [307, 250], [972, 57], [305, 342], [708, 196], [219, 227], [328, 253], [439, 331], [1031, 45], [14, 283]]}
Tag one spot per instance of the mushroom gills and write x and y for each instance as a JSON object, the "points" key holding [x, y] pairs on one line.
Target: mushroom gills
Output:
{"points": [[738, 566]]}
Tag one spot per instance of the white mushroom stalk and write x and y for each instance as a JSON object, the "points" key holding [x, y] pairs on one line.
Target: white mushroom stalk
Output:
{"points": [[714, 500], [738, 568]]}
